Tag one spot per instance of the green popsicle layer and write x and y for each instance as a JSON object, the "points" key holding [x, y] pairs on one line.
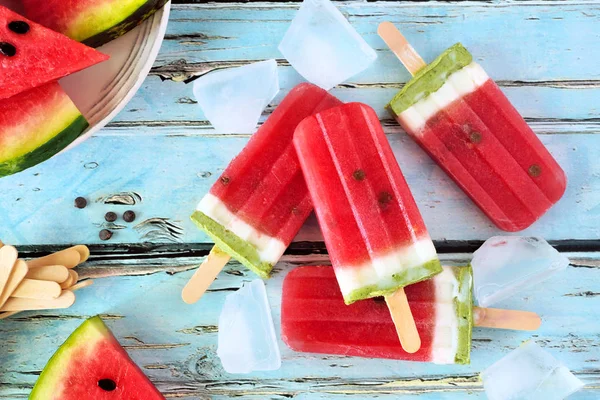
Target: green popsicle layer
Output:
{"points": [[431, 78], [464, 310], [232, 244], [401, 279]]}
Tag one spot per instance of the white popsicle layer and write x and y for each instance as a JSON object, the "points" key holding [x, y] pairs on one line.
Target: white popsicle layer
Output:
{"points": [[269, 248], [462, 82], [447, 333], [379, 271]]}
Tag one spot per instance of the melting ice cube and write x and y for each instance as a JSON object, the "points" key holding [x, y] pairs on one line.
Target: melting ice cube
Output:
{"points": [[233, 99], [247, 340], [529, 373], [323, 47], [505, 265]]}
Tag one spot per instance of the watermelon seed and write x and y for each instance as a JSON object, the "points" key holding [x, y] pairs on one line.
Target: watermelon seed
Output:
{"points": [[20, 27], [7, 49], [107, 384]]}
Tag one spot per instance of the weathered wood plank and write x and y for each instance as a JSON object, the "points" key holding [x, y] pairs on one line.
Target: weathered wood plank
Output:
{"points": [[172, 173], [494, 31], [176, 343], [552, 77], [172, 103]]}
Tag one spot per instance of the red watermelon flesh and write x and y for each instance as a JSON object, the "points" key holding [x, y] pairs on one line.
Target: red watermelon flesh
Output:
{"points": [[92, 365], [31, 55]]}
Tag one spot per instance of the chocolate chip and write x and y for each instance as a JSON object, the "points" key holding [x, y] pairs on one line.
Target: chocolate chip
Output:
{"points": [[359, 175], [225, 180], [20, 27], [7, 49], [80, 202], [535, 170], [105, 234], [129, 216], [110, 216]]}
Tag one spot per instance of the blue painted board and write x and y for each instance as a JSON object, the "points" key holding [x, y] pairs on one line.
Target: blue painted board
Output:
{"points": [[542, 41], [543, 55], [172, 173], [176, 343], [171, 102]]}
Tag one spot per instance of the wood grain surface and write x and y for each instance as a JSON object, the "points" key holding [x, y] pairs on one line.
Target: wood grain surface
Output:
{"points": [[159, 156]]}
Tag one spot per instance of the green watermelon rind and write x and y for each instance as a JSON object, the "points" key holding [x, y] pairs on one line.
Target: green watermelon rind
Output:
{"points": [[136, 18], [57, 143], [82, 337]]}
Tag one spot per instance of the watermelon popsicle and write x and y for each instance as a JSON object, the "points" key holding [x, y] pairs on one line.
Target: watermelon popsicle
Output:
{"points": [[373, 230], [315, 319], [257, 206], [461, 118]]}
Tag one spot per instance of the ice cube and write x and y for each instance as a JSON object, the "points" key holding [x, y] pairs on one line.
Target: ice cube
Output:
{"points": [[247, 340], [505, 265], [529, 373], [234, 98], [323, 47]]}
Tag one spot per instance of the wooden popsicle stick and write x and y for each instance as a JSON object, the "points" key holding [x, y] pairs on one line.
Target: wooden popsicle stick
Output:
{"points": [[65, 300], [84, 252], [35, 289], [70, 281], [8, 258], [403, 320], [68, 257], [506, 319], [16, 277], [73, 288], [205, 275], [8, 314], [401, 47], [55, 273], [81, 285]]}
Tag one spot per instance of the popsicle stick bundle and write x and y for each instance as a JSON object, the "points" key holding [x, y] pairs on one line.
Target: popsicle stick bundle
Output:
{"points": [[43, 283]]}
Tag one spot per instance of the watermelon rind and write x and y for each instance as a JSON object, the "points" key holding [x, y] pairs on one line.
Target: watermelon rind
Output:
{"points": [[35, 125], [56, 144], [93, 23], [88, 333], [145, 11]]}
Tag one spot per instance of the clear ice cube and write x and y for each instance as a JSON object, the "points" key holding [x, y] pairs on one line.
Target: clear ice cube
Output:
{"points": [[323, 47], [247, 340], [529, 373], [234, 98], [505, 265]]}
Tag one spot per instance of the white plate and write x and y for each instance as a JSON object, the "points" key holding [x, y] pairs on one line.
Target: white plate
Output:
{"points": [[102, 91]]}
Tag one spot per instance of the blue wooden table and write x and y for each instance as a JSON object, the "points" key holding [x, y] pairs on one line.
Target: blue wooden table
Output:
{"points": [[544, 54]]}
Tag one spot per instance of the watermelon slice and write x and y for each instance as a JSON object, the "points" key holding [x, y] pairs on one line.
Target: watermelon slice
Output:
{"points": [[31, 55], [93, 22], [35, 125], [91, 365]]}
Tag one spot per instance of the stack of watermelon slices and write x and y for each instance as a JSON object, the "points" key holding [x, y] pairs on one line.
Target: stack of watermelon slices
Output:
{"points": [[37, 118]]}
